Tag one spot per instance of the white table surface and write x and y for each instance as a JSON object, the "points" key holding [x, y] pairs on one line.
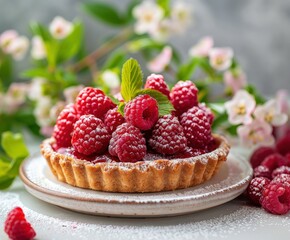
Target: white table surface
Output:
{"points": [[234, 220]]}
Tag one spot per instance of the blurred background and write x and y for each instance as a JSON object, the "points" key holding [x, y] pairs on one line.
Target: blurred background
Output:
{"points": [[257, 30]]}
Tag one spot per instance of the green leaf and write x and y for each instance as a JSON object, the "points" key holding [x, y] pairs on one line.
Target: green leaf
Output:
{"points": [[4, 167], [115, 59], [121, 107], [6, 70], [70, 45], [14, 146], [252, 90], [5, 182], [132, 79], [186, 70], [105, 12], [164, 105], [217, 108], [165, 5], [36, 72], [40, 30]]}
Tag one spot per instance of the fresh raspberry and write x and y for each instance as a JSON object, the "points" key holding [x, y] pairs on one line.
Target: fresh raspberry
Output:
{"points": [[273, 161], [90, 135], [63, 128], [113, 119], [281, 170], [93, 101], [282, 178], [208, 112], [276, 198], [156, 82], [128, 143], [183, 96], [256, 188], [167, 136], [283, 144], [260, 154], [142, 112], [262, 171], [196, 127], [17, 227]]}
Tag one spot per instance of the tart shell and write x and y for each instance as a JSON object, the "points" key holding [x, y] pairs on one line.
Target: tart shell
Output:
{"points": [[144, 176]]}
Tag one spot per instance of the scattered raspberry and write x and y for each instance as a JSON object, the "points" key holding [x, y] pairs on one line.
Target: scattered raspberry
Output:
{"points": [[273, 161], [262, 171], [167, 136], [142, 112], [63, 128], [156, 82], [276, 198], [184, 96], [196, 127], [128, 143], [17, 227], [260, 154], [208, 112], [93, 101], [281, 170], [282, 178], [256, 188], [90, 135], [283, 144], [113, 119]]}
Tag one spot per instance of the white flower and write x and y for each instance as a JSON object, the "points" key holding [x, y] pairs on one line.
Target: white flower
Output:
{"points": [[148, 15], [256, 133], [6, 38], [240, 108], [17, 93], [36, 88], [38, 50], [160, 62], [221, 58], [18, 47], [162, 31], [55, 110], [235, 79], [202, 48], [271, 113], [111, 79], [181, 16], [60, 28], [42, 112], [71, 93]]}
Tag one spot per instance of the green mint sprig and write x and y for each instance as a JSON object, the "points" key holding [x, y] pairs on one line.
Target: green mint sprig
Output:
{"points": [[131, 86], [15, 151]]}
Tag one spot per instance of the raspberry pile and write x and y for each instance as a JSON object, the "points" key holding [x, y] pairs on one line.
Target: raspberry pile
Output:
{"points": [[94, 126], [270, 187]]}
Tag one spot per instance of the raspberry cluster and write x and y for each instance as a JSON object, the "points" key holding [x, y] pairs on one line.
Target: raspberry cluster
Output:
{"points": [[270, 186], [94, 126]]}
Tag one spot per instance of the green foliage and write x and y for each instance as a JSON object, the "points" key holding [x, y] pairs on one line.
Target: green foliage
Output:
{"points": [[5, 72], [132, 79], [165, 5], [15, 152], [186, 70], [253, 91]]}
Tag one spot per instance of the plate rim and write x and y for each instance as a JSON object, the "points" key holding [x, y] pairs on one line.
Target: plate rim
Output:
{"points": [[54, 193]]}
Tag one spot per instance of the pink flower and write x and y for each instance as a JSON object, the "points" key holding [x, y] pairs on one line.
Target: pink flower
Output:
{"points": [[159, 63], [235, 79], [256, 133], [162, 31], [6, 38], [38, 50], [271, 113], [202, 48], [71, 93], [240, 108], [46, 131], [60, 28], [18, 47], [221, 58], [282, 100]]}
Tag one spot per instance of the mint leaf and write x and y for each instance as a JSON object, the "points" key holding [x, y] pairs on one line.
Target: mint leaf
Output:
{"points": [[14, 146], [164, 105], [5, 182], [132, 77], [121, 107]]}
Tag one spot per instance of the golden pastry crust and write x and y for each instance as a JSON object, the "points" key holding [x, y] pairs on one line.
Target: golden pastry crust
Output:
{"points": [[144, 176]]}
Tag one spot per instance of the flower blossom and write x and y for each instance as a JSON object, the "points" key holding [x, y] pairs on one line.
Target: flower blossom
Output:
{"points": [[6, 38], [282, 100], [240, 108], [36, 89], [221, 58], [148, 15], [271, 113], [235, 79], [162, 30], [42, 111], [202, 48], [38, 50], [181, 15], [111, 80], [60, 28], [71, 93], [18, 47], [256, 133], [160, 62]]}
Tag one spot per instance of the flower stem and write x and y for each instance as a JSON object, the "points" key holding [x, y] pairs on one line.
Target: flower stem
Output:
{"points": [[102, 50]]}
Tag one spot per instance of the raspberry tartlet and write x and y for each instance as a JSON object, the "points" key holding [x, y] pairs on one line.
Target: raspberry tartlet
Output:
{"points": [[148, 142]]}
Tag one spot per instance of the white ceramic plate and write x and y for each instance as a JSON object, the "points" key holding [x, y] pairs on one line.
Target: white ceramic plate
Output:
{"points": [[227, 184]]}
